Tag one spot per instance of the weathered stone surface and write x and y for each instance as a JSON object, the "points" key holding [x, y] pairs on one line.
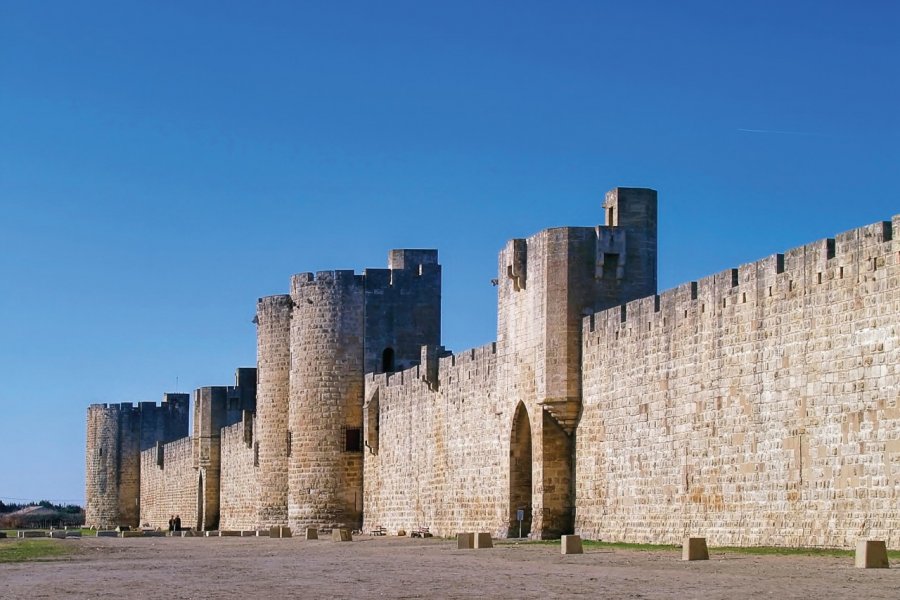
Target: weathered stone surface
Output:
{"points": [[571, 544], [755, 403], [465, 541], [871, 554], [694, 548], [312, 533], [280, 532], [341, 535], [483, 540], [107, 533]]}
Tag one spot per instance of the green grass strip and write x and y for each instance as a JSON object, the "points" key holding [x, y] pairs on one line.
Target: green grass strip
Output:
{"points": [[893, 555], [25, 550]]}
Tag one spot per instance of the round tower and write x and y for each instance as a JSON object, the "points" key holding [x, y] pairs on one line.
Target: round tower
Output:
{"points": [[273, 352], [325, 463], [112, 474]]}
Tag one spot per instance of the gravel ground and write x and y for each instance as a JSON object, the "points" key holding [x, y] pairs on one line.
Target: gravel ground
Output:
{"points": [[384, 567]]}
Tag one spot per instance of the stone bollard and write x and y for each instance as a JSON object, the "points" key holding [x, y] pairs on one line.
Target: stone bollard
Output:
{"points": [[107, 533], [57, 534], [483, 540], [263, 533], [341, 535], [280, 532], [465, 541], [871, 554], [312, 533], [694, 548], [571, 544]]}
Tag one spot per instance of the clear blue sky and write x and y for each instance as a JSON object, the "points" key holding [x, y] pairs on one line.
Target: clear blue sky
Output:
{"points": [[163, 164]]}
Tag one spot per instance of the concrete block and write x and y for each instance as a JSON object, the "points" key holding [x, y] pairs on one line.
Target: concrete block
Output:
{"points": [[131, 534], [186, 533], [73, 533], [32, 534], [229, 533], [571, 544], [251, 533], [341, 535], [262, 533], [465, 541], [57, 534], [153, 533], [109, 533], [312, 533], [483, 540], [871, 554], [694, 548], [280, 532]]}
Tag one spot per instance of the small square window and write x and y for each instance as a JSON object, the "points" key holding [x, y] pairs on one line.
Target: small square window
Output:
{"points": [[353, 440]]}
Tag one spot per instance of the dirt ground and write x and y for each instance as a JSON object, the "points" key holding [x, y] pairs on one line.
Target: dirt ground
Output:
{"points": [[145, 568]]}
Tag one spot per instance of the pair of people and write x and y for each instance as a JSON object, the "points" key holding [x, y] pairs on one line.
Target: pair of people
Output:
{"points": [[175, 523]]}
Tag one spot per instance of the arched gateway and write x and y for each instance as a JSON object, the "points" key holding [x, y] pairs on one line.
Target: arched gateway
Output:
{"points": [[520, 478]]}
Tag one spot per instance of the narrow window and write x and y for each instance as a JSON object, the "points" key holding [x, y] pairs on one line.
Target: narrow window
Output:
{"points": [[290, 441], [256, 454], [101, 450], [387, 360], [353, 440]]}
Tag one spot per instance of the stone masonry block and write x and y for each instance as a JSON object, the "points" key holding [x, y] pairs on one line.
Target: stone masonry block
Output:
{"points": [[694, 548], [871, 554], [483, 540], [57, 534], [341, 535], [465, 541], [131, 534], [571, 544], [312, 533], [280, 532], [109, 533]]}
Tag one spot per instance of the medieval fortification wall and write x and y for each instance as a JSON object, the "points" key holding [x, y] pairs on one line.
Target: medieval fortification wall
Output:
{"points": [[755, 406]]}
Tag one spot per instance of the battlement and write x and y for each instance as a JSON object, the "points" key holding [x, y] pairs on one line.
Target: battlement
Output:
{"points": [[850, 258], [411, 258]]}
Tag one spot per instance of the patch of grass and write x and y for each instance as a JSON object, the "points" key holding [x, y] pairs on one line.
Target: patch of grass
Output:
{"points": [[893, 555], [24, 550]]}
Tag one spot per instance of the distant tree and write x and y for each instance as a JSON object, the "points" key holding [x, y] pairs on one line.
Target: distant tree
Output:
{"points": [[45, 504]]}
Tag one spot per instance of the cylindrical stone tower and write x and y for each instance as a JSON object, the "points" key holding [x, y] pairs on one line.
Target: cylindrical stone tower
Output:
{"points": [[325, 464], [273, 339], [112, 474]]}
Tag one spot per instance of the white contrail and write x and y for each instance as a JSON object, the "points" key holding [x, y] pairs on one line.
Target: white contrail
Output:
{"points": [[778, 131]]}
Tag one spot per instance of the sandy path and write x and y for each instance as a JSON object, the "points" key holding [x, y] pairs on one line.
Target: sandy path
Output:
{"points": [[403, 568]]}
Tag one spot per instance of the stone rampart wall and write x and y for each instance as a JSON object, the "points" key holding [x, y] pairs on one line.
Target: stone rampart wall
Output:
{"points": [[758, 406], [169, 485], [240, 490], [440, 455]]}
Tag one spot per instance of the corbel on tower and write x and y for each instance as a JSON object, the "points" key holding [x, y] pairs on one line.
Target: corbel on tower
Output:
{"points": [[518, 264]]}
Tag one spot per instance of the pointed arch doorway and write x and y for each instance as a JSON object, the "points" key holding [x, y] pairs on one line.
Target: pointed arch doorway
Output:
{"points": [[520, 474]]}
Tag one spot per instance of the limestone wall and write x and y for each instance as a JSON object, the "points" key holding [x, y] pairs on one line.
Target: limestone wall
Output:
{"points": [[169, 483], [273, 336], [437, 457], [326, 396], [756, 406], [240, 490]]}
